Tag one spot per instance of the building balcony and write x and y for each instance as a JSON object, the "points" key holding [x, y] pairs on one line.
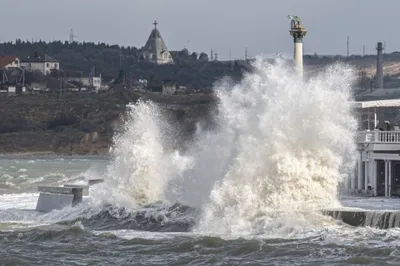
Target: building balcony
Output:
{"points": [[378, 136], [379, 142]]}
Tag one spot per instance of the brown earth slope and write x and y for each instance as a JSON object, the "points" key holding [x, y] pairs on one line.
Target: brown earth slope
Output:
{"points": [[80, 123]]}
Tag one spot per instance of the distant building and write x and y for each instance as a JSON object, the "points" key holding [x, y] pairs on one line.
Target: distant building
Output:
{"points": [[95, 82], [92, 81], [168, 87], [41, 62], [38, 86], [155, 51], [12, 77], [9, 61]]}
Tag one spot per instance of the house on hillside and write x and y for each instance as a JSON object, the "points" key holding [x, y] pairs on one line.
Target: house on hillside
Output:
{"points": [[12, 77], [41, 62], [9, 61]]}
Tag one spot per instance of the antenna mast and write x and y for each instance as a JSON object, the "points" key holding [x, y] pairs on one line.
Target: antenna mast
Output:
{"points": [[120, 57]]}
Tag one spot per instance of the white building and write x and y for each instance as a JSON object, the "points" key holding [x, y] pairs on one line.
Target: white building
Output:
{"points": [[8, 61], [94, 82], [43, 63], [377, 172], [155, 51]]}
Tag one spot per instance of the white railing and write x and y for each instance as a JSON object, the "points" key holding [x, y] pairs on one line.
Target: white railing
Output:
{"points": [[379, 136], [387, 136]]}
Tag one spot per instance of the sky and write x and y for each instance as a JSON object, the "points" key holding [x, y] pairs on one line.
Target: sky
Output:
{"points": [[226, 26]]}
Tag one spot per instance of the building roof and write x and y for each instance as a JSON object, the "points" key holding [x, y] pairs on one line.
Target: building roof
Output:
{"points": [[40, 58], [7, 59], [155, 45], [380, 103]]}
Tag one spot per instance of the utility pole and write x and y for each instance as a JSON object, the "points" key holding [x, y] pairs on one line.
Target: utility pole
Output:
{"points": [[379, 66], [363, 50], [348, 46], [120, 58], [245, 54]]}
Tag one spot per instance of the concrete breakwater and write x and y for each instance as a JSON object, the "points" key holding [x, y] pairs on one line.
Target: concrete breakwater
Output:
{"points": [[69, 195], [373, 218]]}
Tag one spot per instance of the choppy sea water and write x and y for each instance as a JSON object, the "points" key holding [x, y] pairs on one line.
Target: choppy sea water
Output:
{"points": [[159, 234]]}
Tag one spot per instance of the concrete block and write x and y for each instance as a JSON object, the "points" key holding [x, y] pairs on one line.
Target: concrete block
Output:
{"points": [[95, 181], [57, 190], [51, 198], [85, 191], [49, 201]]}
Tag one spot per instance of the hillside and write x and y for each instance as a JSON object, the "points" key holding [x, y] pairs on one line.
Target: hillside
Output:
{"points": [[192, 70], [85, 124]]}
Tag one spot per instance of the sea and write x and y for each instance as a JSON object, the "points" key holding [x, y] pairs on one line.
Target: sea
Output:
{"points": [[248, 191]]}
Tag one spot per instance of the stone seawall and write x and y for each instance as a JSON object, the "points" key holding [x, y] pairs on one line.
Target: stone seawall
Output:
{"points": [[371, 218]]}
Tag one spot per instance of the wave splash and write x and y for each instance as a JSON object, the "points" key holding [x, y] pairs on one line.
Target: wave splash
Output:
{"points": [[142, 164], [281, 148], [291, 145]]}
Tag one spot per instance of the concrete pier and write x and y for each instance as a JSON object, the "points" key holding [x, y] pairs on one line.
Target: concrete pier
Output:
{"points": [[371, 218], [53, 198]]}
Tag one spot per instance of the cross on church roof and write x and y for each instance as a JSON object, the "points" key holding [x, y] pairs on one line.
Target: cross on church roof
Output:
{"points": [[155, 24]]}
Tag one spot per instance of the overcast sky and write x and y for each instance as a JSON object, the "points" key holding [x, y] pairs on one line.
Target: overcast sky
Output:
{"points": [[200, 25]]}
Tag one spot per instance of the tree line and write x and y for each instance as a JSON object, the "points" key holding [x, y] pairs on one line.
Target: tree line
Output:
{"points": [[190, 69]]}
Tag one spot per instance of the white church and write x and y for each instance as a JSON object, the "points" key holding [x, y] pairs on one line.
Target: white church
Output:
{"points": [[155, 51]]}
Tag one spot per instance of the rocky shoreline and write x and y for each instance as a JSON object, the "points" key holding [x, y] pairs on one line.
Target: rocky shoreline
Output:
{"points": [[28, 154]]}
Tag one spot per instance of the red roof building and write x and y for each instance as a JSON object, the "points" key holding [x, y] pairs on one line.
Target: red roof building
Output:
{"points": [[9, 61]]}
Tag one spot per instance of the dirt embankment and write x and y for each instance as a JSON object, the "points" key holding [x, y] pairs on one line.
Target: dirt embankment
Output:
{"points": [[84, 124]]}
